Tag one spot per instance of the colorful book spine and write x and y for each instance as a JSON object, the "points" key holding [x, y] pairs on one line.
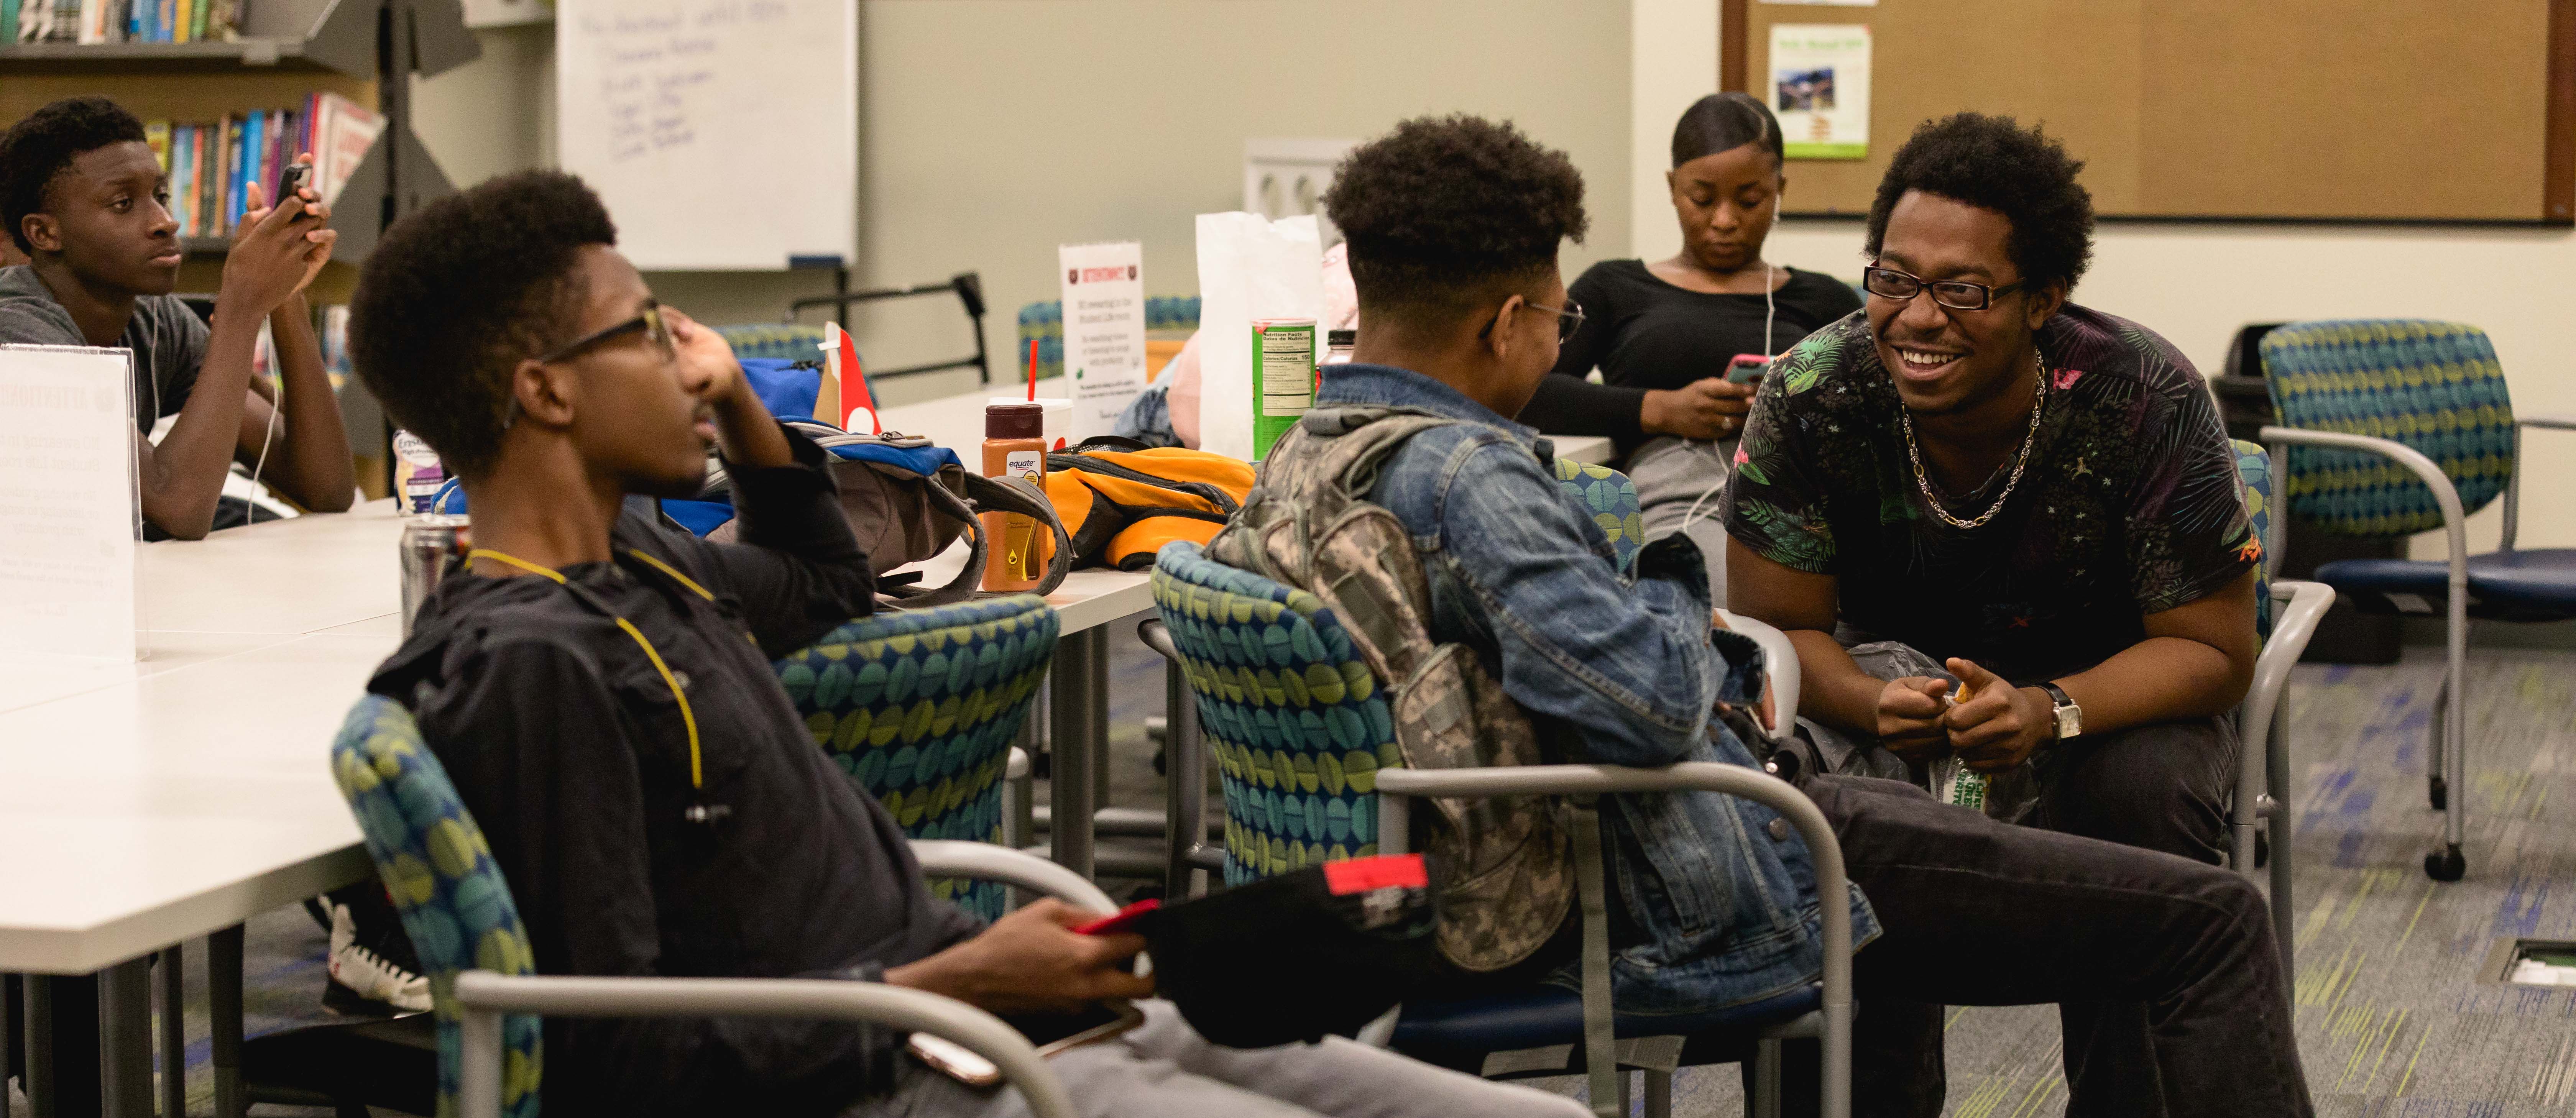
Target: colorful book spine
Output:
{"points": [[197, 23], [156, 135], [180, 14], [8, 21], [182, 162]]}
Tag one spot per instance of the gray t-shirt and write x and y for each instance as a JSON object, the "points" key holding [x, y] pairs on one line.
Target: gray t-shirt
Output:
{"points": [[168, 339]]}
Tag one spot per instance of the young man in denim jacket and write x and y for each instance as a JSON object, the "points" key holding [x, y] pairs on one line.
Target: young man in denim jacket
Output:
{"points": [[1454, 225]]}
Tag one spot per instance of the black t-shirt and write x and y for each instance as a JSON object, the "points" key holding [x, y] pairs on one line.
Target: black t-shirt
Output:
{"points": [[1645, 334], [2129, 505], [168, 339]]}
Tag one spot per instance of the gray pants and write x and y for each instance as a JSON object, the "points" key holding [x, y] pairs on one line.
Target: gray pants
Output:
{"points": [[1165, 1069], [1680, 485]]}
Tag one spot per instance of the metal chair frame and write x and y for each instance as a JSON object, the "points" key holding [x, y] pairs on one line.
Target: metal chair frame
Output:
{"points": [[2447, 761], [483, 996]]}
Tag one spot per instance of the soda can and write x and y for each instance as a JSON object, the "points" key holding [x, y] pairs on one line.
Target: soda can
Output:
{"points": [[428, 543]]}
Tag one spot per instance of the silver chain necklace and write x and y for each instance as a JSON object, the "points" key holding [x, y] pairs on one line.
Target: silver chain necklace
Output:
{"points": [[2039, 403]]}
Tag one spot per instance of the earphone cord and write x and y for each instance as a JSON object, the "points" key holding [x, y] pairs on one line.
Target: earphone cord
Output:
{"points": [[1770, 307], [261, 463]]}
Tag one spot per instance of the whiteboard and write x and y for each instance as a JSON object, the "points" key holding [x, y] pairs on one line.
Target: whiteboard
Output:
{"points": [[722, 134]]}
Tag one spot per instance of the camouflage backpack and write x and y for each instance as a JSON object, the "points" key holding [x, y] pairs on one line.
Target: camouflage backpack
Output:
{"points": [[1307, 524]]}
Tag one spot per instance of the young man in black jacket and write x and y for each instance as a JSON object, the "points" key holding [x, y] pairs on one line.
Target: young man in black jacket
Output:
{"points": [[683, 822]]}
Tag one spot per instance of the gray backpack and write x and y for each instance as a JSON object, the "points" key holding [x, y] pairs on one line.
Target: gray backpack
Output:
{"points": [[1509, 871]]}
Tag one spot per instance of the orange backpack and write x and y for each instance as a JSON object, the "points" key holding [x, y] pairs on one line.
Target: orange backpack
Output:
{"points": [[1121, 501]]}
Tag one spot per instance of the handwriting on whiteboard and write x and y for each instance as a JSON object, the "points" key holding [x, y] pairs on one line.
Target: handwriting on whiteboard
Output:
{"points": [[655, 60]]}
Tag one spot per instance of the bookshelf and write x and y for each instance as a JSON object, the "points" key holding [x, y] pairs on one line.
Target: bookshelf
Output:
{"points": [[365, 50]]}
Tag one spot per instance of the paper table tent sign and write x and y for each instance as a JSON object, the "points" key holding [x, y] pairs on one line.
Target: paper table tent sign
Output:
{"points": [[68, 506], [1104, 331], [1250, 267]]}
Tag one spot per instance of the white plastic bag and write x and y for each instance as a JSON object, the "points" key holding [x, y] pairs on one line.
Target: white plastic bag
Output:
{"points": [[1249, 267]]}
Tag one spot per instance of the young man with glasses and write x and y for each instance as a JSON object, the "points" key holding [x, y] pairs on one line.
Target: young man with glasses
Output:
{"points": [[647, 787], [1454, 226], [2003, 530]]}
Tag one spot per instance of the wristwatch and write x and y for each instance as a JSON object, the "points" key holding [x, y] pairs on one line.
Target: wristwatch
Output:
{"points": [[2070, 717]]}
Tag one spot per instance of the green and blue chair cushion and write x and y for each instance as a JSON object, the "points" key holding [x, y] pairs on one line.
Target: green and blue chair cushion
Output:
{"points": [[2434, 386], [792, 341], [2254, 484], [1043, 323], [920, 708], [1292, 714], [1612, 500], [450, 894]]}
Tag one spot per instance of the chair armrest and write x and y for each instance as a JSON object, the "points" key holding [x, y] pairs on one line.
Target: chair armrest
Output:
{"points": [[2303, 605], [2513, 481], [985, 861], [1780, 659], [2446, 495], [482, 996], [1393, 785]]}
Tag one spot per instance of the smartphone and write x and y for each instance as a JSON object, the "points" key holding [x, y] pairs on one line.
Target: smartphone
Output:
{"points": [[954, 1060], [1746, 368], [290, 180], [1123, 1017], [1124, 919]]}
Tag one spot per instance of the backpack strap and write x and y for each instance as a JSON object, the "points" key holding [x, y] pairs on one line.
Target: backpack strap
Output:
{"points": [[989, 494]]}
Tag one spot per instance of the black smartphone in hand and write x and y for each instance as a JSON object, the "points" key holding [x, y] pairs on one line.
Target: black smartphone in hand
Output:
{"points": [[290, 180]]}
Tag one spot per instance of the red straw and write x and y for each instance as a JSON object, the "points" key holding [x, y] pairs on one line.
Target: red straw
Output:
{"points": [[1033, 370]]}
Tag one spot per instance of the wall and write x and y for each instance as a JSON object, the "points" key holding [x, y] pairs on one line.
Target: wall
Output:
{"points": [[993, 130], [2197, 284]]}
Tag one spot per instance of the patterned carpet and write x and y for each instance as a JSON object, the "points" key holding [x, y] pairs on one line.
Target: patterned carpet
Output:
{"points": [[2392, 1020]]}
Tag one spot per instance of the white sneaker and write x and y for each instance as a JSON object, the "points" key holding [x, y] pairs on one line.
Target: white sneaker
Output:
{"points": [[367, 975]]}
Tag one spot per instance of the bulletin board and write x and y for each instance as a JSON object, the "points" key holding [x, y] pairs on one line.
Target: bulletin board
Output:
{"points": [[2401, 111]]}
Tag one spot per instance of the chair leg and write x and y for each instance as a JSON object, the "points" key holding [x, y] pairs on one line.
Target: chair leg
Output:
{"points": [[2446, 863], [1766, 1080], [2276, 776], [2435, 739], [1625, 1100], [1659, 1094]]}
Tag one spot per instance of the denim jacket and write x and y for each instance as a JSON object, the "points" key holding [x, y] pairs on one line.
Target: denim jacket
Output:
{"points": [[1718, 910]]}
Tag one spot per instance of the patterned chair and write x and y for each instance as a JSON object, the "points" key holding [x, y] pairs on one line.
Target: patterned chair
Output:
{"points": [[2285, 617], [457, 908], [2395, 427], [1043, 323], [1301, 735], [792, 341], [1612, 499], [920, 708]]}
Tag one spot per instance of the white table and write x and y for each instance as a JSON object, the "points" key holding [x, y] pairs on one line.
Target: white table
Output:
{"points": [[146, 804]]}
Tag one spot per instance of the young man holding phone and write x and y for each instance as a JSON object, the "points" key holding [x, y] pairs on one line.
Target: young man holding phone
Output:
{"points": [[87, 202], [503, 327]]}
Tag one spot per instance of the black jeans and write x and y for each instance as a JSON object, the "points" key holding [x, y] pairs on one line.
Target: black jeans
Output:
{"points": [[1978, 912]]}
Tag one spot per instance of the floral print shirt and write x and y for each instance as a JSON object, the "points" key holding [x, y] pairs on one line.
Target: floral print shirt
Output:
{"points": [[2129, 504]]}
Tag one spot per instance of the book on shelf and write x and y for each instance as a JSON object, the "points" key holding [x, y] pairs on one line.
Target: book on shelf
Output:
{"points": [[211, 164], [118, 21]]}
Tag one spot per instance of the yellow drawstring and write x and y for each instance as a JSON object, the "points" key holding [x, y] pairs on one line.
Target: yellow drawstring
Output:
{"points": [[688, 718]]}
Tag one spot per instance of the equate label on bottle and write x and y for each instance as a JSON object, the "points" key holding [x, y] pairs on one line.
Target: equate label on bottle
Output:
{"points": [[417, 472]]}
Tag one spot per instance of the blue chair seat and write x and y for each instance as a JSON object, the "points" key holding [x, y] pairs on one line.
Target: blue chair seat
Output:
{"points": [[1458, 1033], [2536, 585]]}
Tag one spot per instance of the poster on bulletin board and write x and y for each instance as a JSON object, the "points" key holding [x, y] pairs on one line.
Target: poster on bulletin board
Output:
{"points": [[1820, 89]]}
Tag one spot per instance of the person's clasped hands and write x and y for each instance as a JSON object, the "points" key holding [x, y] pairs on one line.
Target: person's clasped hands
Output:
{"points": [[1997, 727]]}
